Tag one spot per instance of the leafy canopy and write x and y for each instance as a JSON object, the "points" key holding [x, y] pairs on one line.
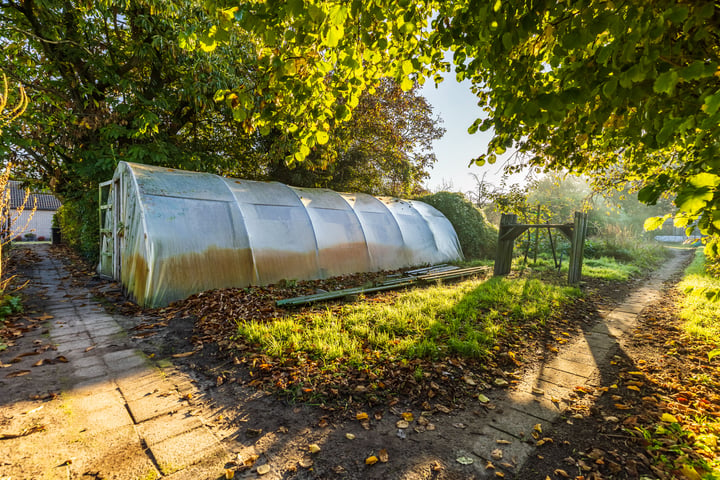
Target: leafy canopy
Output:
{"points": [[620, 91]]}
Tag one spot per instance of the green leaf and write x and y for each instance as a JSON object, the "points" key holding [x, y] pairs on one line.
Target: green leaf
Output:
{"points": [[497, 6], [649, 194], [653, 223], [610, 87], [321, 137], [207, 44], [694, 71], [407, 84], [713, 353], [334, 35], [665, 82], [407, 67], [338, 14], [676, 14], [704, 179], [711, 104], [692, 200]]}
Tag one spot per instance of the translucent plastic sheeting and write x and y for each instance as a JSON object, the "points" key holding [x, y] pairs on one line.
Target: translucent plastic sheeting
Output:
{"points": [[175, 233]]}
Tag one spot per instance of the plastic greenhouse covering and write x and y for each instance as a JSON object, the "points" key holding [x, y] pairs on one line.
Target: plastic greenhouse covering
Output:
{"points": [[168, 234]]}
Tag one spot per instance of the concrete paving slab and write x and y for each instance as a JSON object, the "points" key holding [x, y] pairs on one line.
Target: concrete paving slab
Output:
{"points": [[153, 405], [79, 344], [125, 364], [62, 331], [117, 454], [561, 378], [539, 406], [634, 306], [516, 423], [104, 420], [515, 452], [88, 361], [90, 372], [600, 341], [582, 369], [107, 329], [579, 353], [210, 467], [143, 382], [96, 398], [176, 453], [164, 427]]}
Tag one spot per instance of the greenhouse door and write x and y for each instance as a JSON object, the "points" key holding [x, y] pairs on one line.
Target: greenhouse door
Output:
{"points": [[109, 212]]}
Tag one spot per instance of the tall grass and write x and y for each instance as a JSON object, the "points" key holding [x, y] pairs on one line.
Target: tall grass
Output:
{"points": [[464, 319], [697, 308]]}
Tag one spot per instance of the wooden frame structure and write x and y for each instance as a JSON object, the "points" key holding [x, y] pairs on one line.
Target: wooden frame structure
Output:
{"points": [[510, 230]]}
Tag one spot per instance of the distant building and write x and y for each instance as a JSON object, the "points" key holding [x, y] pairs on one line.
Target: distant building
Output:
{"points": [[40, 225]]}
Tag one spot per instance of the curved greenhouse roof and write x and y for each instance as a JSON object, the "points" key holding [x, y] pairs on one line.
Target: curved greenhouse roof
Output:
{"points": [[170, 233]]}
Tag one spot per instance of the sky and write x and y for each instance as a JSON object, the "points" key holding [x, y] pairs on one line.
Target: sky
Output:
{"points": [[457, 106]]}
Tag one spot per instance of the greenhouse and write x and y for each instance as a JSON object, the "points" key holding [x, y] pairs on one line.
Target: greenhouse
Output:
{"points": [[167, 234]]}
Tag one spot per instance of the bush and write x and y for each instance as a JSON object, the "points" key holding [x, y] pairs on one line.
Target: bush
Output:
{"points": [[478, 238], [78, 221]]}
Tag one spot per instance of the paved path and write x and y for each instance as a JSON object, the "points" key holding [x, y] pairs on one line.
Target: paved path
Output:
{"points": [[120, 417], [537, 398]]}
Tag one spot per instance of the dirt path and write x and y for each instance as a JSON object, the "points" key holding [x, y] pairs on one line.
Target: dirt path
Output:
{"points": [[103, 409]]}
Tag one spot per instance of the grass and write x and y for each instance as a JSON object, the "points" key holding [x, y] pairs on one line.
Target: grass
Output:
{"points": [[464, 319], [698, 310]]}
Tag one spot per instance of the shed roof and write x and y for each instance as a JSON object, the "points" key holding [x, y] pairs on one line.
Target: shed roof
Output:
{"points": [[44, 201]]}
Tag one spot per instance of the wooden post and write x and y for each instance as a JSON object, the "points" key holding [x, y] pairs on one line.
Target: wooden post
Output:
{"points": [[577, 246], [503, 257]]}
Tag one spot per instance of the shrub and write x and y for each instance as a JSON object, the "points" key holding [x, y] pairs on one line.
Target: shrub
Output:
{"points": [[478, 238], [78, 220]]}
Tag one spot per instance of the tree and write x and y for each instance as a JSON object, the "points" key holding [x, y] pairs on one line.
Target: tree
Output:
{"points": [[620, 91], [109, 81], [384, 149]]}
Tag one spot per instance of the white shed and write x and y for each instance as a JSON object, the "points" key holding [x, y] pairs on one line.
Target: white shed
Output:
{"points": [[170, 233]]}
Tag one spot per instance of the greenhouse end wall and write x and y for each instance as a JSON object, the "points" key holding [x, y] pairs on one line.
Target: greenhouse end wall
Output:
{"points": [[168, 234]]}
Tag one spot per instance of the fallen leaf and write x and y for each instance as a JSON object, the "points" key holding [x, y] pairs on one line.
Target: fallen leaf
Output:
{"points": [[371, 460], [482, 398], [442, 408], [538, 391], [19, 373], [666, 417], [561, 473], [537, 427], [361, 416], [408, 416], [61, 359], [496, 454], [314, 448], [402, 424], [350, 436], [500, 382], [465, 460], [503, 442], [184, 354], [383, 456], [633, 387], [263, 469], [306, 462], [229, 474]]}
